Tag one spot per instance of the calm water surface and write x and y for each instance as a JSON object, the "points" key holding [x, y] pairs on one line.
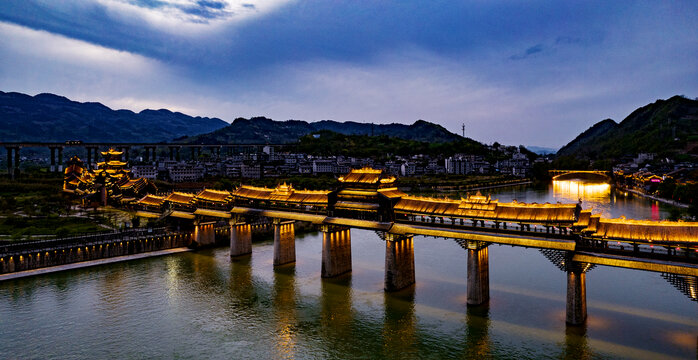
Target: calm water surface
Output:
{"points": [[202, 305]]}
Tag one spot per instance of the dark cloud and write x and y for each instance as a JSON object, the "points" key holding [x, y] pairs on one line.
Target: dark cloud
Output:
{"points": [[530, 51]]}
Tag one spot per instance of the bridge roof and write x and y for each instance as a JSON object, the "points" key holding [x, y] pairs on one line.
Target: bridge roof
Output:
{"points": [[214, 195], [282, 193], [366, 176], [180, 197], [545, 213], [482, 207], [152, 200], [646, 230], [392, 192]]}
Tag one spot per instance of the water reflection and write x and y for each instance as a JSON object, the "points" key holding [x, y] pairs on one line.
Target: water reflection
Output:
{"points": [[240, 284], [576, 343], [336, 313], [477, 320], [399, 324], [284, 304], [593, 195]]}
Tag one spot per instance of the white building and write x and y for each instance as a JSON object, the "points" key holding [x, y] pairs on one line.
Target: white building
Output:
{"points": [[145, 171], [323, 166], [185, 172], [251, 171]]}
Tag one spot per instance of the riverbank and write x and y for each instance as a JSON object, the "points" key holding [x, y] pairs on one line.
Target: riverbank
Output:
{"points": [[655, 198], [84, 264]]}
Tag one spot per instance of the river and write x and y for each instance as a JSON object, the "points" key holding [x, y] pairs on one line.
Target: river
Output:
{"points": [[203, 305]]}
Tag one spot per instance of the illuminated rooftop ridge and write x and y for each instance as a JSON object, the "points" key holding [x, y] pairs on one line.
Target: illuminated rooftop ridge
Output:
{"points": [[624, 221]]}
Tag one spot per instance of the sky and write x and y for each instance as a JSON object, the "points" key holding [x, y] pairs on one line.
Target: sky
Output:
{"points": [[517, 72]]}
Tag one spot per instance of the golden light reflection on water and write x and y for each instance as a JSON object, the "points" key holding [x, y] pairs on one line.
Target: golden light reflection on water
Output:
{"points": [[574, 190], [594, 196]]}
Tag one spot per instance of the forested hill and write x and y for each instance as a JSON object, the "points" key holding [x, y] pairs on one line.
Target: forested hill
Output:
{"points": [[48, 117], [666, 127], [261, 130]]}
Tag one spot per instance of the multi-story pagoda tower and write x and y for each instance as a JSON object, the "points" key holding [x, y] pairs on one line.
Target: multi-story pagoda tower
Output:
{"points": [[112, 169]]}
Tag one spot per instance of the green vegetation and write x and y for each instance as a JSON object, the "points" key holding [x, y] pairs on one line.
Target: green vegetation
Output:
{"points": [[686, 193], [18, 227], [48, 117], [332, 143], [34, 206], [665, 127], [261, 130]]}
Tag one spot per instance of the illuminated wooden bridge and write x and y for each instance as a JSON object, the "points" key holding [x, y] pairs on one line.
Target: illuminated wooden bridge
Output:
{"points": [[574, 239], [571, 174]]}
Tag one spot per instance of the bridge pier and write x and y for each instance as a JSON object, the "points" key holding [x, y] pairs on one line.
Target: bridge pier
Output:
{"points": [[284, 242], [240, 238], [89, 157], [399, 261], [12, 168], [478, 273], [204, 234], [576, 294], [336, 251], [53, 159]]}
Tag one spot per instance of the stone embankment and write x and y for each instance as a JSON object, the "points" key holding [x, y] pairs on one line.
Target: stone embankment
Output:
{"points": [[655, 198]]}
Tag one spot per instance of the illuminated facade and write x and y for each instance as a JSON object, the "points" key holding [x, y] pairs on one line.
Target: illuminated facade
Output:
{"points": [[110, 182], [371, 195]]}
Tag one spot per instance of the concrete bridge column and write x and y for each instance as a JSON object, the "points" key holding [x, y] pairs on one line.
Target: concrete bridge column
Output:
{"points": [[284, 242], [89, 157], [171, 153], [9, 161], [53, 159], [204, 233], [59, 160], [576, 294], [240, 238], [399, 261], [15, 172], [336, 251], [478, 273]]}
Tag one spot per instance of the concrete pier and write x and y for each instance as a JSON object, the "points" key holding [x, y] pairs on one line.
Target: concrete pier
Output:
{"points": [[204, 234], [399, 261], [576, 295], [240, 238], [478, 274], [336, 251], [284, 242]]}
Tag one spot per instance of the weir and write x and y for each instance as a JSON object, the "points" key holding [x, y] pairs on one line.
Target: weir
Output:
{"points": [[399, 261], [336, 250], [284, 242]]}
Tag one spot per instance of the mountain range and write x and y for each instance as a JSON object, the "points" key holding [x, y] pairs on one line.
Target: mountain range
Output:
{"points": [[261, 130], [49, 117], [666, 127]]}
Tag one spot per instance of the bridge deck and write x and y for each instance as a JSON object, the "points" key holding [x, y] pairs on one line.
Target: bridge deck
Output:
{"points": [[679, 268], [506, 239]]}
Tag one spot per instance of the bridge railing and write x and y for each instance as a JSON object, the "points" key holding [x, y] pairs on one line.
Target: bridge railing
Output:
{"points": [[88, 239]]}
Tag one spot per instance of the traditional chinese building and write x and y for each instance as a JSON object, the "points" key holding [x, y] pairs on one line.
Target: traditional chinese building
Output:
{"points": [[110, 182], [364, 194]]}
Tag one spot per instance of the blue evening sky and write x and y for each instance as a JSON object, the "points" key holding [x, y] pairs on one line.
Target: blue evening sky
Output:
{"points": [[517, 72]]}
